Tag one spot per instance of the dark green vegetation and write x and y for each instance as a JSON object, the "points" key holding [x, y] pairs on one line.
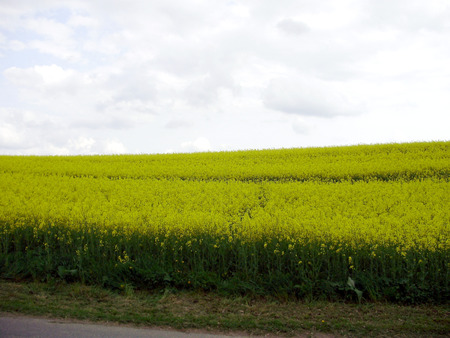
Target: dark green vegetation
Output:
{"points": [[245, 315]]}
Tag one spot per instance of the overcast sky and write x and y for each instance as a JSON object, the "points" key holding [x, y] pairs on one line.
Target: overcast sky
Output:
{"points": [[107, 76]]}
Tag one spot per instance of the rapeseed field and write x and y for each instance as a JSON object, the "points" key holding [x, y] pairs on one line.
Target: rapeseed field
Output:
{"points": [[355, 223]]}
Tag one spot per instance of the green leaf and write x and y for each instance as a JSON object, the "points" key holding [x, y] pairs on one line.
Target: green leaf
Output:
{"points": [[351, 284]]}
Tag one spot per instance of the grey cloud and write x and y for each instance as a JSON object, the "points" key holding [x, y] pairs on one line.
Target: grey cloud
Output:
{"points": [[133, 83], [47, 80], [21, 130], [410, 15], [308, 97], [204, 91], [103, 100], [105, 123], [22, 77], [300, 126], [25, 119], [176, 124], [131, 97], [181, 18], [129, 110], [27, 132], [292, 27]]}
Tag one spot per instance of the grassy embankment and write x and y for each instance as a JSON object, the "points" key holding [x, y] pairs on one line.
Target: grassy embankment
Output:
{"points": [[210, 312]]}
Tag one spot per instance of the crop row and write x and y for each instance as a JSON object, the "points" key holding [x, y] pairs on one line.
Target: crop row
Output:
{"points": [[333, 164]]}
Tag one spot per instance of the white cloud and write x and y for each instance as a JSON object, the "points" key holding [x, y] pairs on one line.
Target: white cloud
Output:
{"points": [[200, 144], [53, 74], [302, 126], [100, 98], [10, 137], [82, 145], [25, 132], [22, 77], [151, 75], [56, 39], [42, 78], [77, 20], [114, 147], [50, 29], [8, 44], [88, 146]]}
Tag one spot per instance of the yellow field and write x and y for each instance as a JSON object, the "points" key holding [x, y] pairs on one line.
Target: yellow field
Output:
{"points": [[294, 221]]}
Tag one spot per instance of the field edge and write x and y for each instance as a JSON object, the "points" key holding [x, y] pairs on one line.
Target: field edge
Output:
{"points": [[193, 310]]}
